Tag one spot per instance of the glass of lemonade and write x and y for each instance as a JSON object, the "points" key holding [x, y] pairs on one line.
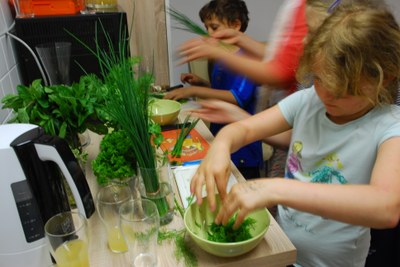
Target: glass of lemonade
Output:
{"points": [[109, 199], [68, 240]]}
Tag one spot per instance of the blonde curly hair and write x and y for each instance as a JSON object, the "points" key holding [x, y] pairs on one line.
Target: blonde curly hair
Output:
{"points": [[357, 43]]}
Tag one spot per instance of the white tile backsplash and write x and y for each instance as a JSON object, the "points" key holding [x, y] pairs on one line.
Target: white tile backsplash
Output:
{"points": [[3, 24], [6, 88], [3, 60], [5, 10], [7, 44], [15, 79]]}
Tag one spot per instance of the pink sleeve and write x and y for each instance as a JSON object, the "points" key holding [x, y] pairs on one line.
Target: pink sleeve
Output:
{"points": [[290, 46]]}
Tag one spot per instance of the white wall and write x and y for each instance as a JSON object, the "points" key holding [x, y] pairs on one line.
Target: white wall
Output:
{"points": [[261, 12], [395, 8], [9, 74]]}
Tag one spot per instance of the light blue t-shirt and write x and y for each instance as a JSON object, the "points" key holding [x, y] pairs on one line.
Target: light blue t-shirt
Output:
{"points": [[324, 152]]}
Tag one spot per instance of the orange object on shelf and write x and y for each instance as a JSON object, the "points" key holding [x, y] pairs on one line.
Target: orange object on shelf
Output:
{"points": [[50, 7]]}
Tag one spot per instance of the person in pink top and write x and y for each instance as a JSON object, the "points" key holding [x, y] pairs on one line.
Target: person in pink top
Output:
{"points": [[273, 64]]}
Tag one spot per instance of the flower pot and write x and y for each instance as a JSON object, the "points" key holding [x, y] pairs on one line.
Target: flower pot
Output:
{"points": [[155, 185]]}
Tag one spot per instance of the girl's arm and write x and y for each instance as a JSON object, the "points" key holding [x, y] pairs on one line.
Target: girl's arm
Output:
{"points": [[215, 167], [250, 46], [375, 205], [261, 72], [217, 111]]}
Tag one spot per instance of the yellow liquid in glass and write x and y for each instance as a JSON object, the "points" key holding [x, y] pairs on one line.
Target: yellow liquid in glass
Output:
{"points": [[72, 253], [116, 241]]}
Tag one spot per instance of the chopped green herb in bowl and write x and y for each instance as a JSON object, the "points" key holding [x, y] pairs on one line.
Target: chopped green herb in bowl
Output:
{"points": [[222, 240], [226, 233]]}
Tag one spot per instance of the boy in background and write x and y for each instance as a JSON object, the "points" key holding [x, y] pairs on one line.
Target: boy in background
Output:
{"points": [[226, 84]]}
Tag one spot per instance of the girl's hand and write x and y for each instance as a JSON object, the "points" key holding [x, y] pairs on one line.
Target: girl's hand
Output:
{"points": [[199, 48], [243, 198], [228, 36], [213, 171], [218, 111]]}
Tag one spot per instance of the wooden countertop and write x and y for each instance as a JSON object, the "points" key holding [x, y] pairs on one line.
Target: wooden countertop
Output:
{"points": [[275, 250]]}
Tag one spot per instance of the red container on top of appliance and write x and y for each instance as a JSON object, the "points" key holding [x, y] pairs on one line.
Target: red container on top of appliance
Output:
{"points": [[49, 7]]}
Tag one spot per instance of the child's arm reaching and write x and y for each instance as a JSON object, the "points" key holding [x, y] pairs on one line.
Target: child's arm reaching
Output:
{"points": [[215, 168], [217, 111], [194, 80], [375, 205], [201, 92]]}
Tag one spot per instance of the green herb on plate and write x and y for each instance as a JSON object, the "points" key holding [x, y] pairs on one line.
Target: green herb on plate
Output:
{"points": [[185, 130]]}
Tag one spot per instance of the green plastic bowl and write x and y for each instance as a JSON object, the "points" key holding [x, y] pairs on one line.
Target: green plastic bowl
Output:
{"points": [[197, 218], [164, 111]]}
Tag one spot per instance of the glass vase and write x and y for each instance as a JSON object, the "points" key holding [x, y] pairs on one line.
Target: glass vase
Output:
{"points": [[155, 185], [131, 182]]}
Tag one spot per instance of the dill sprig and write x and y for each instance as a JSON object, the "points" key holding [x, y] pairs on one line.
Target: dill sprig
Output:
{"points": [[185, 252], [182, 251], [186, 23], [184, 131]]}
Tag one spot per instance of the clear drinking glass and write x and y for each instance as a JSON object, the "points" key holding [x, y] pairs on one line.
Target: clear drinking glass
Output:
{"points": [[67, 237], [55, 58], [109, 200], [140, 223], [155, 185]]}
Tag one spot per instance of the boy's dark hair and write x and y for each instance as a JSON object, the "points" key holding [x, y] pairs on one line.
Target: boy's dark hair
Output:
{"points": [[229, 10]]}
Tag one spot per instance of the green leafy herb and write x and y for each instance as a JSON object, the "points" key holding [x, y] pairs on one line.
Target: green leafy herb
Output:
{"points": [[115, 159], [182, 251], [226, 233], [61, 110], [186, 23], [128, 95], [189, 25], [183, 133], [127, 103], [179, 208]]}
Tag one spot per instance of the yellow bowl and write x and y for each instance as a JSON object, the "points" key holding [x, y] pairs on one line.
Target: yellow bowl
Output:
{"points": [[198, 218], [164, 111]]}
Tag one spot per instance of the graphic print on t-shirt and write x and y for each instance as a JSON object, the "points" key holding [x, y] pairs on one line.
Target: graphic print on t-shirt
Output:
{"points": [[327, 170], [293, 163]]}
